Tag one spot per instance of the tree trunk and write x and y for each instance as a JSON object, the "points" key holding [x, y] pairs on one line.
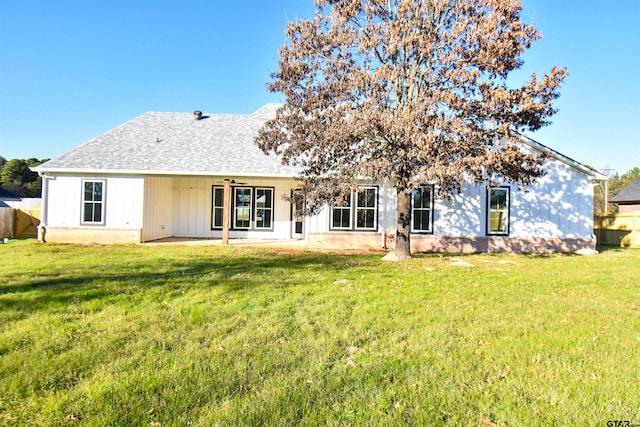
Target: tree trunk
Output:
{"points": [[403, 238]]}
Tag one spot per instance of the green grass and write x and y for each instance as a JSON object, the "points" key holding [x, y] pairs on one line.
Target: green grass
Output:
{"points": [[174, 335]]}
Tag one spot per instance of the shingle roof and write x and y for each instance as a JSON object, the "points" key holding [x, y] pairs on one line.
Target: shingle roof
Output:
{"points": [[218, 144], [629, 194], [176, 143]]}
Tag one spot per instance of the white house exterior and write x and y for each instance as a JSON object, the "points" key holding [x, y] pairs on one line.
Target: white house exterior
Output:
{"points": [[162, 175]]}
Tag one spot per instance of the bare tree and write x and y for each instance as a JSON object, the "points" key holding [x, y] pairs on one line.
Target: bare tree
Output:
{"points": [[408, 91]]}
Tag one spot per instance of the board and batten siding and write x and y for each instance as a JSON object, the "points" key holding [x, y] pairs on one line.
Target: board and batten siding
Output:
{"points": [[158, 208], [123, 202], [386, 208], [555, 213], [542, 217], [558, 205], [192, 207]]}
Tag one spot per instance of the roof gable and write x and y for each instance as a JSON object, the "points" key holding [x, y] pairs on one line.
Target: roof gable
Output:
{"points": [[592, 173]]}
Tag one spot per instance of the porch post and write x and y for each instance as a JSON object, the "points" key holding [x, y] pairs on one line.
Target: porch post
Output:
{"points": [[226, 211]]}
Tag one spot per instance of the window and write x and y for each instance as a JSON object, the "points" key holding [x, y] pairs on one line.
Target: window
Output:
{"points": [[498, 211], [242, 207], [366, 208], [365, 211], [218, 207], [264, 207], [93, 202], [341, 215], [422, 210], [297, 207], [251, 208]]}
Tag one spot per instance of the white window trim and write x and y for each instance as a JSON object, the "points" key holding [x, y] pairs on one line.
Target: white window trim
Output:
{"points": [[374, 208], [254, 214], [235, 208], [214, 207], [353, 208], [507, 211], [347, 207], [253, 208], [102, 202], [413, 209]]}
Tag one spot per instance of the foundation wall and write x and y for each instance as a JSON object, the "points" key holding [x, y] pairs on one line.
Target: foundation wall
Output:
{"points": [[500, 244], [87, 235], [351, 240], [432, 243]]}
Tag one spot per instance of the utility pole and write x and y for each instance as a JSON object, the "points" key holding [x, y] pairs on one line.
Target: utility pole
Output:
{"points": [[606, 171]]}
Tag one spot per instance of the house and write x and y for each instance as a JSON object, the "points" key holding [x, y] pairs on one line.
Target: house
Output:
{"points": [[622, 228], [628, 199], [162, 175]]}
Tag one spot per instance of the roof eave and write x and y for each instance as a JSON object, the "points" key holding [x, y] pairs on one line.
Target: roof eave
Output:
{"points": [[158, 172], [625, 202]]}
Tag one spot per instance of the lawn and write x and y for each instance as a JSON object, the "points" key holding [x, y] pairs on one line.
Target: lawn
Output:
{"points": [[210, 335]]}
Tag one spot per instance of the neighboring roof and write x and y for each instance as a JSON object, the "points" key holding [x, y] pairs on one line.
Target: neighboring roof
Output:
{"points": [[630, 194], [8, 195], [177, 143]]}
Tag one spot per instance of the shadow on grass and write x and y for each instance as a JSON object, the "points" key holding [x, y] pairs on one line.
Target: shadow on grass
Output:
{"points": [[230, 272], [610, 248]]}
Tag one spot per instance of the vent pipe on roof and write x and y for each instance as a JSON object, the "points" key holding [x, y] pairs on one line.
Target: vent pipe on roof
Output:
{"points": [[197, 114]]}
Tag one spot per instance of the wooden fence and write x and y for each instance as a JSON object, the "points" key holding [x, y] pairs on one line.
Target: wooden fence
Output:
{"points": [[19, 222], [621, 229], [27, 221], [6, 222]]}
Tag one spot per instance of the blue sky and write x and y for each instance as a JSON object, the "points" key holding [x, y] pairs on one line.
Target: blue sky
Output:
{"points": [[72, 70]]}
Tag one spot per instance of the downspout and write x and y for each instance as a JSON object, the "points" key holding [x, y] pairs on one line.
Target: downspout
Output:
{"points": [[42, 228]]}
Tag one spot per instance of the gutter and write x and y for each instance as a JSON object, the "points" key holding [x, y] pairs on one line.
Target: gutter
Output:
{"points": [[171, 173]]}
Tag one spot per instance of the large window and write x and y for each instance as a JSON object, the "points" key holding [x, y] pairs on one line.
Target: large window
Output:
{"points": [[341, 215], [364, 210], [242, 207], [93, 202], [498, 211], [251, 208], [422, 210], [264, 207]]}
